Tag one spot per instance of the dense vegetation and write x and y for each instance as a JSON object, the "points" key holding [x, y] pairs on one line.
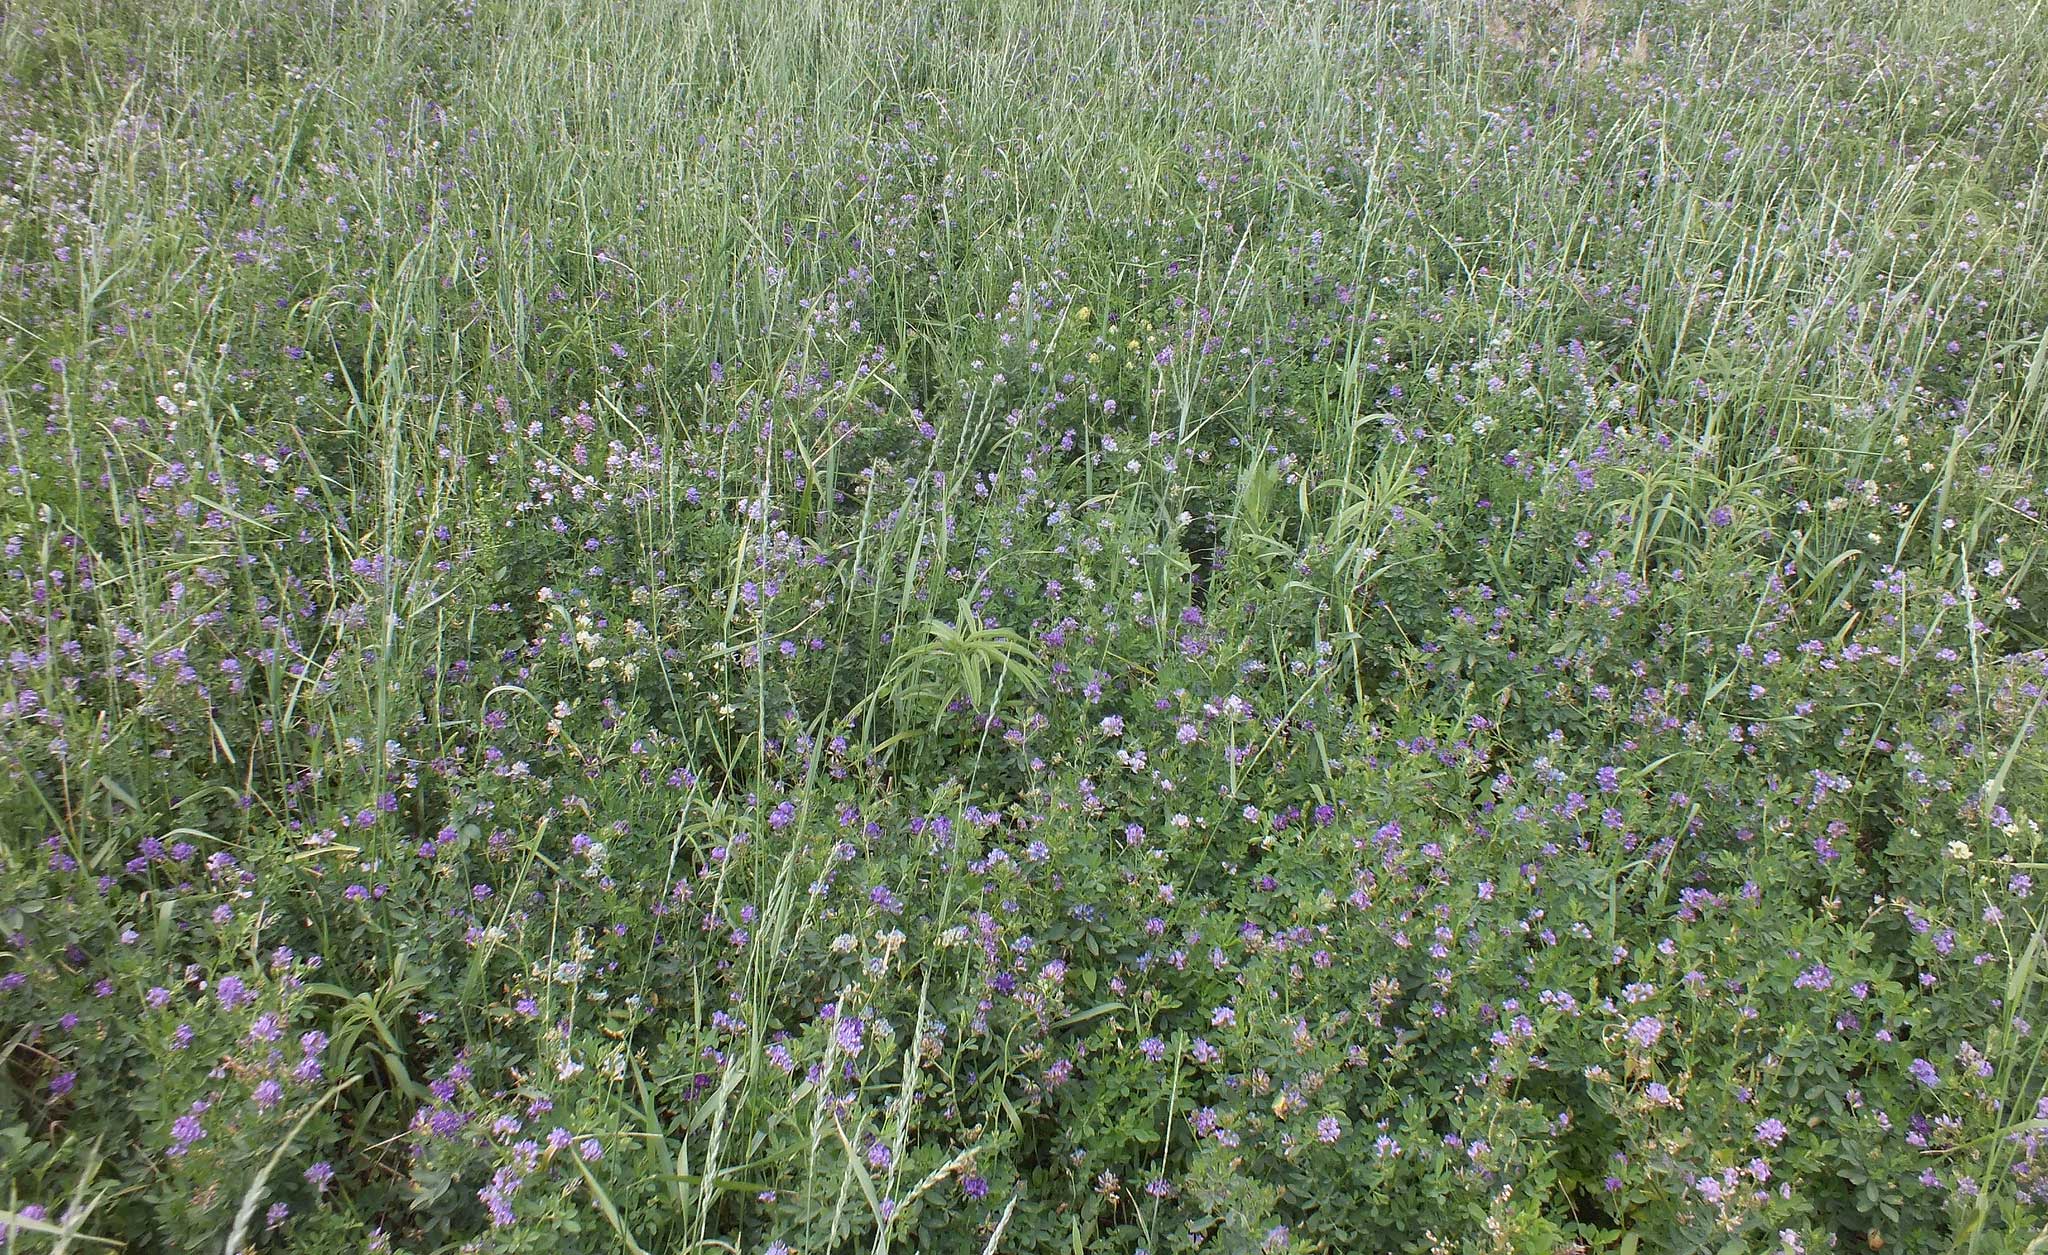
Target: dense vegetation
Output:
{"points": [[1272, 627]]}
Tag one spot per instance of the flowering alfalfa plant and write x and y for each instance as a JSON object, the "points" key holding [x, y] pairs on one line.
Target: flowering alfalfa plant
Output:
{"points": [[125, 983], [895, 632]]}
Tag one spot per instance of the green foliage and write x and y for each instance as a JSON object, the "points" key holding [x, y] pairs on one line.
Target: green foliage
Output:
{"points": [[1291, 629]]}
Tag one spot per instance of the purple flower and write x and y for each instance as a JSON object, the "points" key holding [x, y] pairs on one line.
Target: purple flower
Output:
{"points": [[186, 1129], [232, 992], [1645, 1031], [1771, 1132], [1815, 977], [319, 1175], [1923, 1072]]}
